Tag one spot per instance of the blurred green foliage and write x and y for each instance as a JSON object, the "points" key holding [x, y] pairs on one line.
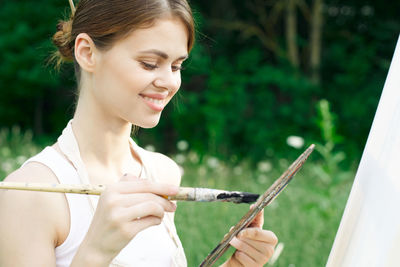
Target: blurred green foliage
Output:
{"points": [[15, 148], [32, 95], [330, 170], [241, 94]]}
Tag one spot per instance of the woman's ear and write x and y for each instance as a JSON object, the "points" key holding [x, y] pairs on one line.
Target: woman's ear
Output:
{"points": [[85, 50]]}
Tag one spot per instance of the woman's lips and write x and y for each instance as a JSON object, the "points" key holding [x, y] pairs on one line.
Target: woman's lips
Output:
{"points": [[155, 101]]}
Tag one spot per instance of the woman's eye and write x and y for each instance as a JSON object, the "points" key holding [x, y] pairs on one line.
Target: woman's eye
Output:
{"points": [[149, 66], [177, 67]]}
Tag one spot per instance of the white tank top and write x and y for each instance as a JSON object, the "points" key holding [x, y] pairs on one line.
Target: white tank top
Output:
{"points": [[155, 246]]}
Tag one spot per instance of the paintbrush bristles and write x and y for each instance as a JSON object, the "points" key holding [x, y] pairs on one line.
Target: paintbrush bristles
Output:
{"points": [[210, 195]]}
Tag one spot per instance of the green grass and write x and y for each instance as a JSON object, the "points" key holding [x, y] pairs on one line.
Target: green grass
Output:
{"points": [[15, 148], [305, 216]]}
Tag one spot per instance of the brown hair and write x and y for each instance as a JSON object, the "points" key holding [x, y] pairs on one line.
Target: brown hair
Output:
{"points": [[107, 21]]}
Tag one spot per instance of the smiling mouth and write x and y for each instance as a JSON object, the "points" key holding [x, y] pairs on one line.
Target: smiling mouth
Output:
{"points": [[154, 100], [156, 104]]}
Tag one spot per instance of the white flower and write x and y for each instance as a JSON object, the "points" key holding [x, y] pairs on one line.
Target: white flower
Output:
{"points": [[180, 158], [212, 162], [21, 159], [182, 145], [7, 166], [150, 148], [264, 166], [193, 157], [295, 141]]}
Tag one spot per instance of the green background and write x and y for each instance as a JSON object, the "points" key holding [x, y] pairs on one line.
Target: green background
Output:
{"points": [[260, 71]]}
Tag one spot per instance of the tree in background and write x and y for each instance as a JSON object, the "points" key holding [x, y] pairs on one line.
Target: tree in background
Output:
{"points": [[254, 77], [32, 94]]}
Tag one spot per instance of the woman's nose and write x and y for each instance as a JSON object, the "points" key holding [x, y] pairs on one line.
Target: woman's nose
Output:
{"points": [[168, 79]]}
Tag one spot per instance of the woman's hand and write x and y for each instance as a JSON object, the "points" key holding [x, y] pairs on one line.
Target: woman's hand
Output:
{"points": [[254, 246], [124, 209]]}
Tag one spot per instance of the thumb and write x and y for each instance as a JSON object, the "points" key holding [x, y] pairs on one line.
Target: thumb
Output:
{"points": [[258, 220], [127, 177]]}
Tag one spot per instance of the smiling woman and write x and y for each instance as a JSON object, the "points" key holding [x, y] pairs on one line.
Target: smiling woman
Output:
{"points": [[128, 56], [131, 81]]}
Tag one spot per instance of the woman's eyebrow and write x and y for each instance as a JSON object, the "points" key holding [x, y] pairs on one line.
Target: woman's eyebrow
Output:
{"points": [[161, 54]]}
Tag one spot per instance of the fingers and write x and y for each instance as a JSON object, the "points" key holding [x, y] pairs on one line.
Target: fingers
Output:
{"points": [[142, 223], [128, 200], [259, 235], [258, 220], [133, 198], [131, 185], [242, 259], [266, 249], [134, 190], [254, 246], [251, 252], [124, 209], [145, 209]]}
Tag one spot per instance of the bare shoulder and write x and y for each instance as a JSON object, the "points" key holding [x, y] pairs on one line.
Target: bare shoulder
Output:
{"points": [[32, 172], [166, 169], [37, 217]]}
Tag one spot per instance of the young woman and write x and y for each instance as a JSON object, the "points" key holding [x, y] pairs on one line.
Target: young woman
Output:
{"points": [[127, 56]]}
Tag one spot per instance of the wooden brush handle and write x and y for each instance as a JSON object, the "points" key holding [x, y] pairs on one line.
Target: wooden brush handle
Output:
{"points": [[87, 189]]}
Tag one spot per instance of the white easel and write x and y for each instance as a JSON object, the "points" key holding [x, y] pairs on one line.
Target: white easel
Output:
{"points": [[369, 232]]}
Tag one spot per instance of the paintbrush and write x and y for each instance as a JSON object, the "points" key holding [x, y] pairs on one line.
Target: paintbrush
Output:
{"points": [[184, 193]]}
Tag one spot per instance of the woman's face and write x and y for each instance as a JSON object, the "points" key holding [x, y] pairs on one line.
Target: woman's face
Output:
{"points": [[136, 78]]}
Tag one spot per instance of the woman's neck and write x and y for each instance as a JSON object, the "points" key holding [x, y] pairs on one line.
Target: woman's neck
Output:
{"points": [[103, 139]]}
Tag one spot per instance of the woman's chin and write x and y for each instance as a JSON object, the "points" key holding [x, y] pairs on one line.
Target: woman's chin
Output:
{"points": [[148, 124]]}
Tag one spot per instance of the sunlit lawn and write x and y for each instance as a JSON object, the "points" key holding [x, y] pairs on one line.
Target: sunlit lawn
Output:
{"points": [[305, 216]]}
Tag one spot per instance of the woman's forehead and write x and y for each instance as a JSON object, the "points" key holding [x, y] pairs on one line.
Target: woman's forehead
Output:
{"points": [[169, 36]]}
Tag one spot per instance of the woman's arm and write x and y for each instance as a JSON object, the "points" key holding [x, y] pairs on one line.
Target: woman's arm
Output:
{"points": [[32, 224]]}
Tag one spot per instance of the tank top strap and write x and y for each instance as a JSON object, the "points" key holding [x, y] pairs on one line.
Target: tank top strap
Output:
{"points": [[70, 148], [57, 164], [179, 258]]}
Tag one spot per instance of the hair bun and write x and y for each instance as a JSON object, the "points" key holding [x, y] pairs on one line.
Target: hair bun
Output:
{"points": [[60, 26], [62, 39]]}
